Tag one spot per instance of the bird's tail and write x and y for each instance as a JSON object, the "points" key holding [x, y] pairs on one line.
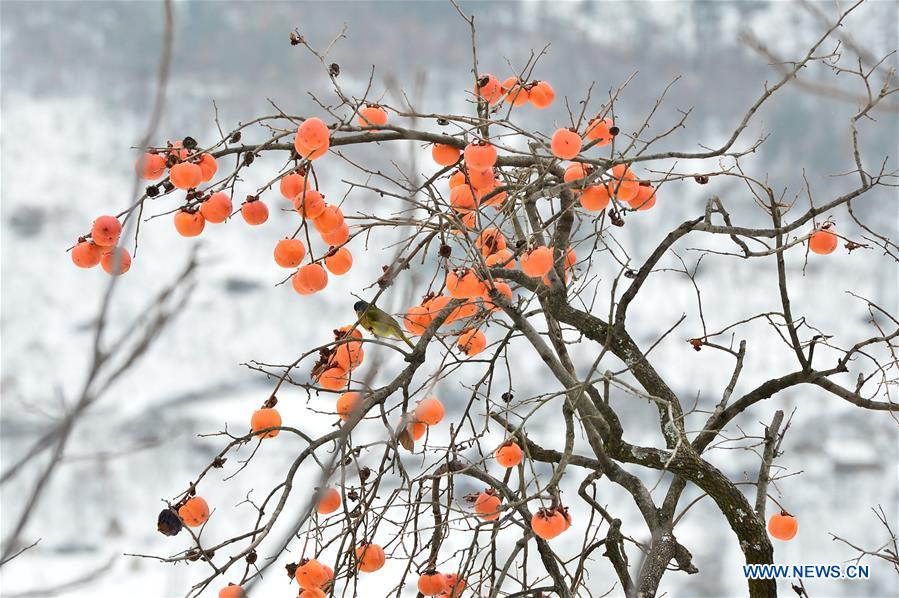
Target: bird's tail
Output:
{"points": [[406, 339]]}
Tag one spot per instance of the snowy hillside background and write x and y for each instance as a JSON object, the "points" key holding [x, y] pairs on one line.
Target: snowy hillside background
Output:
{"points": [[77, 82]]}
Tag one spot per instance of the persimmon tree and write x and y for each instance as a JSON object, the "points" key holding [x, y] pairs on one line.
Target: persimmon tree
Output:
{"points": [[503, 236]]}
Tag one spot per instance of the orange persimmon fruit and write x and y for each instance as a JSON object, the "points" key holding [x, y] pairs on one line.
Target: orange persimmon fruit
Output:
{"points": [[309, 279], [509, 454], [471, 342], [194, 512], [263, 419], [347, 403], [480, 154], [116, 262], [429, 411], [254, 212], [537, 262], [86, 254], [823, 241], [487, 505], [189, 224], [340, 262], [445, 155], [541, 95], [372, 115], [185, 175], [565, 144], [106, 231], [151, 166], [369, 557], [216, 208], [548, 523], [289, 253], [783, 526], [431, 583], [329, 501]]}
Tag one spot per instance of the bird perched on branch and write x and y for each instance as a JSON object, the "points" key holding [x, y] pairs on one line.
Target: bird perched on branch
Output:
{"points": [[379, 322]]}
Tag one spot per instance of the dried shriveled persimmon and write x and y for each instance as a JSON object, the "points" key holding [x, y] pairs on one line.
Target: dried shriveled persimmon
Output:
{"points": [[151, 166], [289, 253], [340, 262], [185, 175], [86, 254], [194, 512], [329, 501], [254, 212], [116, 262], [566, 144], [509, 454], [106, 231], [823, 241], [369, 557], [217, 208], [487, 505], [429, 411], [445, 155], [263, 419], [189, 224], [372, 115], [783, 526], [472, 342], [310, 279]]}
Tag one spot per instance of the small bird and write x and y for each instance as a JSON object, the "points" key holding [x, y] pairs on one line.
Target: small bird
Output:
{"points": [[379, 323]]}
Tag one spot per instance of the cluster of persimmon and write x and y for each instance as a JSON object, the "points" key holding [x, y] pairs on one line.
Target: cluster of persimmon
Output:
{"points": [[475, 183]]}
